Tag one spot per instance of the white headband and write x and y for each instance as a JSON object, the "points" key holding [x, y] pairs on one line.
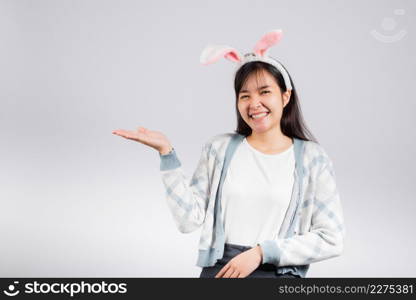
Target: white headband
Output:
{"points": [[212, 53]]}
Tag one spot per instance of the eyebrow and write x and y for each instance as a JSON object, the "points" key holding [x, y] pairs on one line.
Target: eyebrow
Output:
{"points": [[262, 87]]}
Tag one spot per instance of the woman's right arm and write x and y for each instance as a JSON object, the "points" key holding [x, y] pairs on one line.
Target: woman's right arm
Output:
{"points": [[187, 201]]}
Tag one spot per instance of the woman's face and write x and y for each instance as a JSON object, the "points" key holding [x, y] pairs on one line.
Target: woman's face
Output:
{"points": [[261, 103]]}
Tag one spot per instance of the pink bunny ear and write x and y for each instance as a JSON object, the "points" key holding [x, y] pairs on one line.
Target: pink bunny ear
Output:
{"points": [[212, 53], [269, 39]]}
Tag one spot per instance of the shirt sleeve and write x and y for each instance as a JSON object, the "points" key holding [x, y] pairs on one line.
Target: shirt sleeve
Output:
{"points": [[187, 199], [325, 238]]}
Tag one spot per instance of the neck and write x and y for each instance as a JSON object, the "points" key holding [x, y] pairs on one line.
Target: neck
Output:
{"points": [[271, 139]]}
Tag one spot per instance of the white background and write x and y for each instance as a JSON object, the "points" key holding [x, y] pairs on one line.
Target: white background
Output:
{"points": [[76, 200]]}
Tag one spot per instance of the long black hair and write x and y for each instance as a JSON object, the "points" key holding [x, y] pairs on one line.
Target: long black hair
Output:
{"points": [[291, 123]]}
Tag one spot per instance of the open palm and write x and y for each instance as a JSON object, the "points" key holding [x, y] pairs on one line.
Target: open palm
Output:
{"points": [[154, 139]]}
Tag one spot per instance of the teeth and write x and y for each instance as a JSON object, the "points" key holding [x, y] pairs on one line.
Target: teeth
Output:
{"points": [[259, 115]]}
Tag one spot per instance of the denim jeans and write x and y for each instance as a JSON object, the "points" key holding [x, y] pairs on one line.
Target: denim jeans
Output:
{"points": [[231, 250]]}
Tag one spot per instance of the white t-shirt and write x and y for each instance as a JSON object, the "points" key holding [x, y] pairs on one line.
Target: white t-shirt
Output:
{"points": [[256, 194]]}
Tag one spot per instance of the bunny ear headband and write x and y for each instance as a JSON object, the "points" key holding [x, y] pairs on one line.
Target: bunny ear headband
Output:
{"points": [[212, 53]]}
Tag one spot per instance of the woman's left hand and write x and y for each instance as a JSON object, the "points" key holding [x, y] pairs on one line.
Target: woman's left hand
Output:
{"points": [[242, 264]]}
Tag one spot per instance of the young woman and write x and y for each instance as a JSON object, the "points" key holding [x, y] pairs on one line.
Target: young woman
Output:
{"points": [[265, 194]]}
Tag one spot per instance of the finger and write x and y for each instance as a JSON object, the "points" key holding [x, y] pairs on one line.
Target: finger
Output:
{"points": [[120, 132], [125, 133], [228, 273], [222, 271], [235, 274], [117, 133], [141, 129]]}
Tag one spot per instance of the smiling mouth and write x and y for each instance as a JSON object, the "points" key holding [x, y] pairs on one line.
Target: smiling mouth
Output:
{"points": [[259, 116]]}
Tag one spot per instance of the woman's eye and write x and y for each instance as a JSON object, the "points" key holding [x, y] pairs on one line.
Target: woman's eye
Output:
{"points": [[242, 97]]}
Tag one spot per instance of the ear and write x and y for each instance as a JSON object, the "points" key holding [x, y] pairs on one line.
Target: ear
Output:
{"points": [[286, 97], [269, 39], [212, 53]]}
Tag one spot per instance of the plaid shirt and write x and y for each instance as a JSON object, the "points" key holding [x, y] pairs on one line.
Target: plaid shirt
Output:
{"points": [[312, 230]]}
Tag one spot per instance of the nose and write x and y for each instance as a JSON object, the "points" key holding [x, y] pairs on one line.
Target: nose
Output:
{"points": [[255, 103]]}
